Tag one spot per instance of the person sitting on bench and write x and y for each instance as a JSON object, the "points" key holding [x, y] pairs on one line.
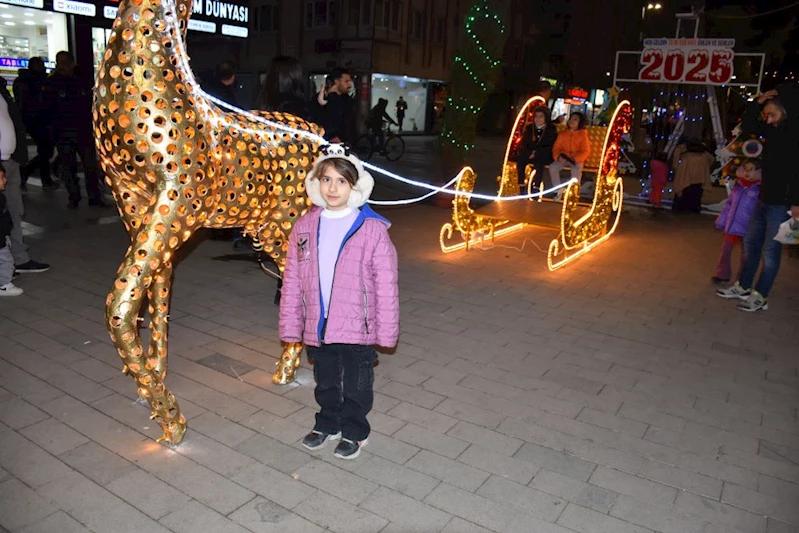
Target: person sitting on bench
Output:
{"points": [[536, 147], [571, 150]]}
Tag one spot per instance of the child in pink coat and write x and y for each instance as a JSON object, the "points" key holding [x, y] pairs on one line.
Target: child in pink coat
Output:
{"points": [[659, 178], [340, 296]]}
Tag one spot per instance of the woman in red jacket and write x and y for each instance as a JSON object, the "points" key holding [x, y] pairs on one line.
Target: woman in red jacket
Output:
{"points": [[571, 150]]}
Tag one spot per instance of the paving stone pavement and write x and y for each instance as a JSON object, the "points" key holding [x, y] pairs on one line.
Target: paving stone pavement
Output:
{"points": [[616, 395]]}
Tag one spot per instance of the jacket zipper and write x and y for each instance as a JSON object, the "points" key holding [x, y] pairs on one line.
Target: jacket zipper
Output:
{"points": [[335, 271], [365, 310]]}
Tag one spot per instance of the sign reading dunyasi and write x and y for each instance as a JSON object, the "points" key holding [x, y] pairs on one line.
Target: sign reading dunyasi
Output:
{"points": [[221, 10]]}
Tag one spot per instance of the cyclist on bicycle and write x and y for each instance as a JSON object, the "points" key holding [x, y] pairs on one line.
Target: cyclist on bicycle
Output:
{"points": [[375, 123]]}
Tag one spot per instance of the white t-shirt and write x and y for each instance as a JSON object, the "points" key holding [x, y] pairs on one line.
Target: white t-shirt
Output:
{"points": [[8, 135]]}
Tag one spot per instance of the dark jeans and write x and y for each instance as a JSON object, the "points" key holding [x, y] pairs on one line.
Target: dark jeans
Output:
{"points": [[400, 120], [69, 149], [540, 172], [759, 242], [343, 410], [44, 151]]}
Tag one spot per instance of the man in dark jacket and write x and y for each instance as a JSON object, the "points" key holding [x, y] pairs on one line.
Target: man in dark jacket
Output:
{"points": [[222, 83], [336, 114], [779, 192], [28, 89], [67, 100]]}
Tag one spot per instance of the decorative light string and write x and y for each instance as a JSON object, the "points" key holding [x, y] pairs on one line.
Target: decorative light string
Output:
{"points": [[434, 189]]}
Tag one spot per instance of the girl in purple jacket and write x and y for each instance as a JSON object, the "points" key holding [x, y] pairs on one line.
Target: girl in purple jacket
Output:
{"points": [[734, 218], [340, 296]]}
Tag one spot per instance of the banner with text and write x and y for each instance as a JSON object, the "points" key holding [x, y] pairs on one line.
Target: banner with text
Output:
{"points": [[690, 61]]}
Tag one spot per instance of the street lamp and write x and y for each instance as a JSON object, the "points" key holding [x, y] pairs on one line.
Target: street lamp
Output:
{"points": [[650, 7], [644, 9]]}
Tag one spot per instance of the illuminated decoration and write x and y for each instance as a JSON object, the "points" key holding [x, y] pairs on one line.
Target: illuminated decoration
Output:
{"points": [[474, 69], [176, 163], [578, 237], [581, 228]]}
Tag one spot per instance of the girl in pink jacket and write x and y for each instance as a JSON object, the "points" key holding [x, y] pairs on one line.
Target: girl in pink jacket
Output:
{"points": [[340, 296]]}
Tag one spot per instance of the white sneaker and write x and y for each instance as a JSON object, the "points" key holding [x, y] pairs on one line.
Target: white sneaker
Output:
{"points": [[9, 289], [755, 302], [734, 291]]}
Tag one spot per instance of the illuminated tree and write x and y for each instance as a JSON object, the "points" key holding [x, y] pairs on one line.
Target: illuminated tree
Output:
{"points": [[474, 72]]}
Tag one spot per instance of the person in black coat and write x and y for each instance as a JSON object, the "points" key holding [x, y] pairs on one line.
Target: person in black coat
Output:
{"points": [[536, 147], [28, 90], [67, 101], [779, 192], [285, 90]]}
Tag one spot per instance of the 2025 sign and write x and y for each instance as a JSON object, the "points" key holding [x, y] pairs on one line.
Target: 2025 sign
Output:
{"points": [[691, 61]]}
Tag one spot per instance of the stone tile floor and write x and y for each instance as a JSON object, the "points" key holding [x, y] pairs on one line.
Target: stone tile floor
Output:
{"points": [[617, 395]]}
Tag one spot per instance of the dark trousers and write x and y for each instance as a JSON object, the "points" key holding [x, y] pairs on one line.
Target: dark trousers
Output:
{"points": [[400, 120], [343, 408], [69, 149], [540, 171], [44, 151]]}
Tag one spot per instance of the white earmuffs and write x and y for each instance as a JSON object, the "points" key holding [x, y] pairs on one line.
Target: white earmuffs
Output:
{"points": [[362, 189]]}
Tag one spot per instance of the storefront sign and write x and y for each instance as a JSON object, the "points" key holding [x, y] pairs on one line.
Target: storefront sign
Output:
{"points": [[234, 31], [202, 25], [577, 94], [25, 3], [221, 10], [75, 8], [207, 16], [690, 61], [17, 62]]}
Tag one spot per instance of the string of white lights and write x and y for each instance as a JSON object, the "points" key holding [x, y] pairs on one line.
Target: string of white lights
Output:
{"points": [[434, 189]]}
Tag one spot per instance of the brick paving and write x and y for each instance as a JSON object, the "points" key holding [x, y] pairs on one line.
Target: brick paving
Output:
{"points": [[617, 395]]}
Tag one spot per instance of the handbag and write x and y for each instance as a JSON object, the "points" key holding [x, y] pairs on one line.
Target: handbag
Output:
{"points": [[788, 232]]}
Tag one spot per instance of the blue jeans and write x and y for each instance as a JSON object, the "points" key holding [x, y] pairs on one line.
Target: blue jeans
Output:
{"points": [[765, 222]]}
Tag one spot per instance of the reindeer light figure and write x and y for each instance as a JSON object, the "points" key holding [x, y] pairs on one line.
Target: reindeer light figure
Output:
{"points": [[176, 163]]}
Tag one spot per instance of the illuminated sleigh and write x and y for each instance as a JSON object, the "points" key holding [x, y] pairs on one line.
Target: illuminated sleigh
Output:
{"points": [[582, 226]]}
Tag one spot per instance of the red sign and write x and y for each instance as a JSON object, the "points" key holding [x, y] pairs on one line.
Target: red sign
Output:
{"points": [[690, 61], [577, 93]]}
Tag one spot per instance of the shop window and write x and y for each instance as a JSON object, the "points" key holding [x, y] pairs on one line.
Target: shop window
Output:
{"points": [[352, 12], [417, 24], [387, 14], [26, 33], [366, 12], [267, 18], [439, 33], [320, 13]]}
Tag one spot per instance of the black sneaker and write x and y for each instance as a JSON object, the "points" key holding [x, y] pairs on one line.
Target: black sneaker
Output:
{"points": [[350, 449], [316, 440], [32, 267]]}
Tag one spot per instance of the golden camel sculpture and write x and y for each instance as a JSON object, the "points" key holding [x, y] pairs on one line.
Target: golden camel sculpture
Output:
{"points": [[176, 163]]}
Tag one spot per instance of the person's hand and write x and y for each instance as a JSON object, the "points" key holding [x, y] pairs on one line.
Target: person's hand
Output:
{"points": [[768, 95], [321, 97], [532, 154], [795, 212]]}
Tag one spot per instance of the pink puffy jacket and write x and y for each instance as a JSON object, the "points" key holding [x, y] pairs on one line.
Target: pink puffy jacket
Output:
{"points": [[364, 302]]}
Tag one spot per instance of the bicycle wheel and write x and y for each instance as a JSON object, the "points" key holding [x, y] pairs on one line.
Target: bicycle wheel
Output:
{"points": [[395, 147], [364, 147]]}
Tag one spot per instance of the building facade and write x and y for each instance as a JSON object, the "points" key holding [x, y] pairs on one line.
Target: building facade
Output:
{"points": [[217, 32]]}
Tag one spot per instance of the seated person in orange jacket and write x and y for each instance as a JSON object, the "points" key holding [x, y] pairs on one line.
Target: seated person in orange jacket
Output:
{"points": [[571, 149]]}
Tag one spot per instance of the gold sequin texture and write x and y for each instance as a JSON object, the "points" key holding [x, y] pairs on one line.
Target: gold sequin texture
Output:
{"points": [[175, 163]]}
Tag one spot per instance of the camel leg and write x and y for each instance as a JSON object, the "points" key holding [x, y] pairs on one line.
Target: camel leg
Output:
{"points": [[288, 364], [143, 264], [158, 295]]}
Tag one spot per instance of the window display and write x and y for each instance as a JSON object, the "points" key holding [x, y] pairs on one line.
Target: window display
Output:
{"points": [[26, 32], [412, 90]]}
